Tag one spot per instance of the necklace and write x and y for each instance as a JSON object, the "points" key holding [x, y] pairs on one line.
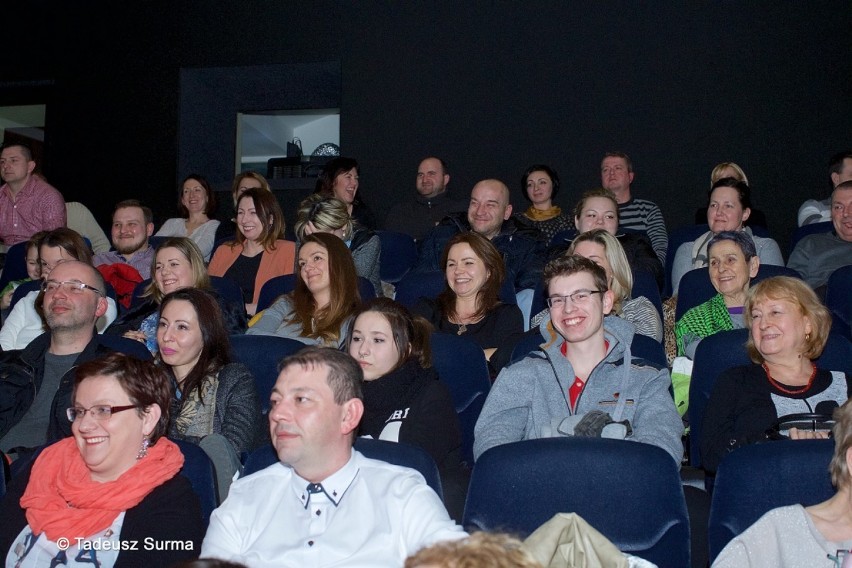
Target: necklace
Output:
{"points": [[462, 328], [797, 390]]}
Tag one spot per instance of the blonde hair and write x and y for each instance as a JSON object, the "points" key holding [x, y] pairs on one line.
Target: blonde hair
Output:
{"points": [[328, 214], [622, 276], [719, 171], [842, 432], [495, 550]]}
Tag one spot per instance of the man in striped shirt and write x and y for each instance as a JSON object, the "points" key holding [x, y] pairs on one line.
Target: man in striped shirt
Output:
{"points": [[638, 214]]}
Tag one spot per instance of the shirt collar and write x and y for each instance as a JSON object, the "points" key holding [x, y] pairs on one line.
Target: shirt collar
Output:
{"points": [[334, 486]]}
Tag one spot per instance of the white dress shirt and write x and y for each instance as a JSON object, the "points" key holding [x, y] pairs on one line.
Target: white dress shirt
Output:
{"points": [[370, 513]]}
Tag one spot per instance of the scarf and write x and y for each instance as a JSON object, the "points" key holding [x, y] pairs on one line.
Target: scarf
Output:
{"points": [[703, 320], [195, 413], [393, 391], [61, 499], [538, 215]]}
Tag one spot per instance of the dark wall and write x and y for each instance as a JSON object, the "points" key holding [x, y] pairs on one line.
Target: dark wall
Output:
{"points": [[491, 87]]}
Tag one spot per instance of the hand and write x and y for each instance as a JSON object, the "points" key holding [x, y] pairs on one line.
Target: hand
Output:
{"points": [[310, 228], [137, 335], [251, 309], [6, 299], [796, 434]]}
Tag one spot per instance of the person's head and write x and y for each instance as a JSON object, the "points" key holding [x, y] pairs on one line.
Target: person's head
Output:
{"points": [[73, 297], [597, 209], [132, 224], [384, 335], [840, 168], [841, 462], [110, 439], [248, 180], [604, 250], [540, 184], [32, 258], [786, 318], [495, 550], [191, 337], [473, 268], [61, 245], [16, 164], [259, 218], [489, 207], [728, 205], [196, 196], [432, 177], [577, 296], [732, 262], [617, 174], [177, 263], [315, 407], [841, 210], [326, 214], [339, 178], [727, 170]]}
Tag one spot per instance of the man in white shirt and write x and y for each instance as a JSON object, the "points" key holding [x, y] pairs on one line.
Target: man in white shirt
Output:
{"points": [[324, 504]]}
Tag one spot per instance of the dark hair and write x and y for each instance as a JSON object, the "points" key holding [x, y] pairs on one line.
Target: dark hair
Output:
{"points": [[569, 264], [269, 212], [739, 238], [143, 381], [335, 167], [741, 187], [146, 211], [68, 240], [444, 167], [835, 163], [344, 374], [25, 149], [411, 334], [210, 209], [621, 155], [551, 173], [489, 296], [216, 347]]}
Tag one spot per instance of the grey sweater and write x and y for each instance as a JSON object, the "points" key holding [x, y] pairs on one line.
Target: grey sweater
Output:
{"points": [[529, 394]]}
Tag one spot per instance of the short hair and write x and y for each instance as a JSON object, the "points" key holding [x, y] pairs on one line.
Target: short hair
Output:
{"points": [[335, 167], [739, 238], [489, 296], [146, 211], [25, 149], [835, 163], [741, 187], [411, 334], [266, 206], [34, 242], [569, 264], [210, 209], [345, 376], [717, 172], [551, 173], [495, 550], [621, 155], [801, 295], [144, 382], [192, 253], [216, 346], [235, 186], [596, 192], [622, 275], [842, 185], [444, 167], [326, 213], [842, 432], [68, 240]]}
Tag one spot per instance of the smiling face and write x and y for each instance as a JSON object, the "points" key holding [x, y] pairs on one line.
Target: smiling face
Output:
{"points": [[466, 272], [179, 337], [51, 257], [598, 213], [109, 447], [730, 273], [540, 189], [778, 328], [579, 323], [346, 186], [194, 196], [129, 231], [314, 268], [75, 310], [725, 212], [373, 345], [431, 179], [248, 223], [172, 270], [33, 265], [841, 213], [489, 207]]}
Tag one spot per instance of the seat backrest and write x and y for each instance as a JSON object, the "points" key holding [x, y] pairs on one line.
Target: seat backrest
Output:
{"points": [[227, 289], [799, 473], [198, 469], [391, 452], [644, 284], [414, 286], [642, 346], [628, 491], [124, 345], [262, 354], [399, 253], [15, 265], [812, 229], [280, 285], [676, 238], [23, 290], [460, 364], [838, 299]]}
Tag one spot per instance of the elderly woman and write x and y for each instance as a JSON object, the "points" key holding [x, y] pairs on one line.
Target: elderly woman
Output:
{"points": [[729, 206], [733, 263], [803, 536], [115, 481], [539, 185], [197, 206], [788, 330], [339, 178]]}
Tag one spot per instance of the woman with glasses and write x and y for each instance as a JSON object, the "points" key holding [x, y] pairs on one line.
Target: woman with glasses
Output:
{"points": [[25, 321], [115, 482]]}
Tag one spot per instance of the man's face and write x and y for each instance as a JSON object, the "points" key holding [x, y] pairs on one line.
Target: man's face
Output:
{"points": [[841, 213], [845, 173], [129, 231], [431, 179], [73, 309], [614, 175], [580, 321], [489, 207], [14, 166]]}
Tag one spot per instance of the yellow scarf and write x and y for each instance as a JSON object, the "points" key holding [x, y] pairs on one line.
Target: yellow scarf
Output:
{"points": [[546, 215]]}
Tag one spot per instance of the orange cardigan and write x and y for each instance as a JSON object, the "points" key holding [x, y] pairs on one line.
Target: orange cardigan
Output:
{"points": [[273, 263]]}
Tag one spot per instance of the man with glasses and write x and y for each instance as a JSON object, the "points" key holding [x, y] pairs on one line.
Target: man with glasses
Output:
{"points": [[36, 382], [584, 381]]}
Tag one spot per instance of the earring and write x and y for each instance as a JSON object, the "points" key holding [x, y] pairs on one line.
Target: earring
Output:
{"points": [[143, 451], [807, 337]]}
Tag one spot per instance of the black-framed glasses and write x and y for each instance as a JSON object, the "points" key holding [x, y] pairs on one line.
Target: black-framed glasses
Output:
{"points": [[577, 298], [68, 286], [99, 412]]}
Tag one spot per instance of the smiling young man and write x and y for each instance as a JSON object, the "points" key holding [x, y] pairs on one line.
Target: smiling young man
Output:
{"points": [[584, 365], [132, 225], [324, 504]]}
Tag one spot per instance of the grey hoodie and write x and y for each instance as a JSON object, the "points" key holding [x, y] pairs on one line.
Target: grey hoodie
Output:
{"points": [[529, 394]]}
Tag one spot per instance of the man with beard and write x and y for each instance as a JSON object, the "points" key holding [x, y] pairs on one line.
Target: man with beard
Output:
{"points": [[132, 224]]}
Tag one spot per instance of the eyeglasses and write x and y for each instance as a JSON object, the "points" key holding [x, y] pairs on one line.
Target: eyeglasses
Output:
{"points": [[68, 286], [99, 412], [578, 298]]}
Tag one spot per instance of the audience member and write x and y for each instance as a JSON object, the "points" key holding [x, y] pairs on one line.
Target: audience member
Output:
{"points": [[339, 178], [197, 206], [639, 214], [33, 271], [540, 184], [494, 550], [132, 224], [819, 210], [431, 203], [28, 204], [112, 495], [281, 516], [731, 170], [584, 359], [80, 219], [227, 230]]}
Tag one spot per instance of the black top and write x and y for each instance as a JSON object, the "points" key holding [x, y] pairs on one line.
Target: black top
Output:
{"points": [[244, 272]]}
